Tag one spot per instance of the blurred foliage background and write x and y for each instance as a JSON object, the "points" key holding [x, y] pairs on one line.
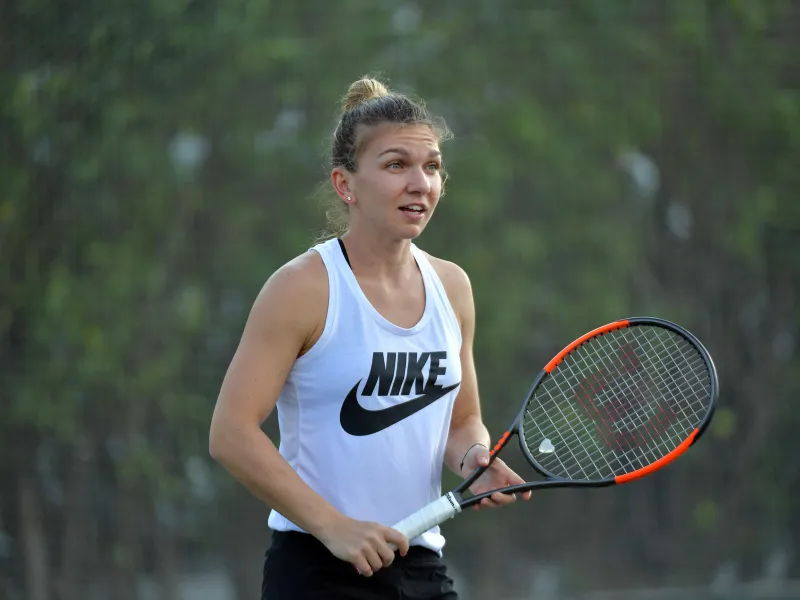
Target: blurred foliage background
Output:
{"points": [[611, 158]]}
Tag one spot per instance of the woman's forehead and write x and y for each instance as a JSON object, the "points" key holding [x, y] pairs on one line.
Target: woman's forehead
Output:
{"points": [[387, 137]]}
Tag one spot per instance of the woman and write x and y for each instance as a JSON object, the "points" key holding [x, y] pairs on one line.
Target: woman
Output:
{"points": [[364, 343]]}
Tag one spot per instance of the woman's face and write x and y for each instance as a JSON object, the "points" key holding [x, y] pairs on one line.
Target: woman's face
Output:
{"points": [[398, 180]]}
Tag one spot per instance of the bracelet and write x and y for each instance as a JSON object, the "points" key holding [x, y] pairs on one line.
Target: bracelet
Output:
{"points": [[467, 452]]}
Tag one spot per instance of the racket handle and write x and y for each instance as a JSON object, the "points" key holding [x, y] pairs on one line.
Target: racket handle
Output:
{"points": [[429, 516]]}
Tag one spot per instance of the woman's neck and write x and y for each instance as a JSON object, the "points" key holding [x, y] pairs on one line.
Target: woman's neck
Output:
{"points": [[371, 255]]}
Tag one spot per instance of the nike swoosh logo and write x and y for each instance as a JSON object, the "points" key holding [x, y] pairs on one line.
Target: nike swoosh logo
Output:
{"points": [[357, 420]]}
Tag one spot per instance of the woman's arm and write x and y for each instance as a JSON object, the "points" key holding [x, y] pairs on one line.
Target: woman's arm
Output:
{"points": [[469, 441], [285, 321]]}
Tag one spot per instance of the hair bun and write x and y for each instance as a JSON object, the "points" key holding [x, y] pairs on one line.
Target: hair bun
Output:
{"points": [[362, 91]]}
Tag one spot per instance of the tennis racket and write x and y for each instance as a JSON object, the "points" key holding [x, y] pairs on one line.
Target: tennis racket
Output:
{"points": [[618, 403]]}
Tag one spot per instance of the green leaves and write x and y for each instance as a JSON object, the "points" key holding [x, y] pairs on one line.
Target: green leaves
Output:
{"points": [[158, 163]]}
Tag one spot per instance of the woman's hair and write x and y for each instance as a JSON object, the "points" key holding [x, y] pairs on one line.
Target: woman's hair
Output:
{"points": [[367, 102]]}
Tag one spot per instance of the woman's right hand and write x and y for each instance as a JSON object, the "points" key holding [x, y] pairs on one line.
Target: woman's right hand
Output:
{"points": [[364, 544]]}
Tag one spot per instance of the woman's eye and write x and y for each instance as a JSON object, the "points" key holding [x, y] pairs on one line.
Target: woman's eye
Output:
{"points": [[434, 166]]}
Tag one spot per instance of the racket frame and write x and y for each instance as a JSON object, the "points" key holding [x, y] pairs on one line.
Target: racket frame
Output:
{"points": [[552, 481]]}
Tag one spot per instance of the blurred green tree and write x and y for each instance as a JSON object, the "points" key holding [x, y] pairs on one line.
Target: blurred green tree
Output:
{"points": [[610, 159]]}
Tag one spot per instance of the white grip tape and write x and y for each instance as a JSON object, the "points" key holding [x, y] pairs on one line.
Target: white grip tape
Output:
{"points": [[429, 516]]}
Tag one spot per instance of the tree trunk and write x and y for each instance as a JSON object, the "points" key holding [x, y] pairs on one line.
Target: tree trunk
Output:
{"points": [[245, 551], [34, 540], [76, 518], [166, 556], [127, 545]]}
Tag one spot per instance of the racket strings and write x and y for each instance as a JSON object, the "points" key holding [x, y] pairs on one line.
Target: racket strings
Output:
{"points": [[603, 425], [673, 388], [646, 437], [596, 455], [619, 402]]}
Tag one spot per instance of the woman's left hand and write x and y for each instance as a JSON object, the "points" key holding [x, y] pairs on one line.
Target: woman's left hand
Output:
{"points": [[498, 475]]}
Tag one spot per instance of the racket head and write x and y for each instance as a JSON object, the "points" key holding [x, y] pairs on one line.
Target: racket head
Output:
{"points": [[618, 403]]}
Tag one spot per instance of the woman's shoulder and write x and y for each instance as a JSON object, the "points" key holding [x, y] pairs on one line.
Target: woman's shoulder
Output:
{"points": [[451, 274], [296, 294], [456, 284], [303, 274]]}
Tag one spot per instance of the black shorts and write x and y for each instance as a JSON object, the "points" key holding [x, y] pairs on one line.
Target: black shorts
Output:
{"points": [[300, 567]]}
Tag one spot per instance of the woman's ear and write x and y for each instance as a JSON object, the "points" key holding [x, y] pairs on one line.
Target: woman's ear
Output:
{"points": [[341, 179]]}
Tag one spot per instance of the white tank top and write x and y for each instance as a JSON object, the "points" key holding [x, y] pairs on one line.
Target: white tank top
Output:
{"points": [[365, 413]]}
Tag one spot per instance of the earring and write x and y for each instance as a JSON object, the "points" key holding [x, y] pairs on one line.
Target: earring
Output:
{"points": [[349, 198]]}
